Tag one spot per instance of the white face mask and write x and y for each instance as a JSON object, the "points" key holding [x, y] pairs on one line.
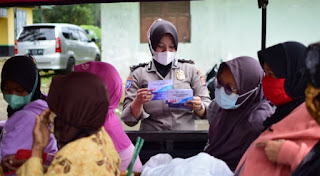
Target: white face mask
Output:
{"points": [[226, 101], [164, 58]]}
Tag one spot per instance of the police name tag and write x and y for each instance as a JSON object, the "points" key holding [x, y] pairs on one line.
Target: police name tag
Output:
{"points": [[159, 88], [177, 97]]}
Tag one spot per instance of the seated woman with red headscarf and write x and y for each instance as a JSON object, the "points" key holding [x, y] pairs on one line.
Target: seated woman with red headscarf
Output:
{"points": [[80, 102]]}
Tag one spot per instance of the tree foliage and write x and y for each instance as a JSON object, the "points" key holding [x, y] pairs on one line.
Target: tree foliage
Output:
{"points": [[81, 14]]}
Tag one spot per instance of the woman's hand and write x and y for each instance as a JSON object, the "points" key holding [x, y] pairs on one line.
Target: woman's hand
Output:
{"points": [[9, 163], [271, 148], [41, 133], [196, 105], [143, 96]]}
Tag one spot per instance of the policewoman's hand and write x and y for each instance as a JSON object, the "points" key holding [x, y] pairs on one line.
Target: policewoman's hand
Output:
{"points": [[143, 96], [196, 105]]}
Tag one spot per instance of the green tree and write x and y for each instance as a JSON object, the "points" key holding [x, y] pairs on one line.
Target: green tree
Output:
{"points": [[76, 14]]}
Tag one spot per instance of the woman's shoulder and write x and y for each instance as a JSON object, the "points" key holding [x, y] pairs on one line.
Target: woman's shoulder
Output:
{"points": [[187, 61], [28, 113], [140, 66]]}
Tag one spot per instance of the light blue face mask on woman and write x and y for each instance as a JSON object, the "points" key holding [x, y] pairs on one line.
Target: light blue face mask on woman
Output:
{"points": [[226, 101], [16, 101]]}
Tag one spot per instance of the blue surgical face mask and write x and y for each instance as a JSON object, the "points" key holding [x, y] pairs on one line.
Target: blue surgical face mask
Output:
{"points": [[16, 101], [226, 101]]}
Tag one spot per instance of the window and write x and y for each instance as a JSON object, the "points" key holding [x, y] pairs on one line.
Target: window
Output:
{"points": [[20, 20], [32, 33], [83, 36], [65, 32], [177, 13], [74, 34]]}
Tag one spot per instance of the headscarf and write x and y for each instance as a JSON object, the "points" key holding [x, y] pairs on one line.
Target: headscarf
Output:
{"points": [[287, 60], [23, 70], [79, 100], [112, 80], [232, 131], [156, 31]]}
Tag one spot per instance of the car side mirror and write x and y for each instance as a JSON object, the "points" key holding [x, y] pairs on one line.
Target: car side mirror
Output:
{"points": [[93, 40]]}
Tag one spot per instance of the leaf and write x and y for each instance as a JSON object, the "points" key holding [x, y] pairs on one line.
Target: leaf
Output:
{"points": [[99, 163], [67, 168]]}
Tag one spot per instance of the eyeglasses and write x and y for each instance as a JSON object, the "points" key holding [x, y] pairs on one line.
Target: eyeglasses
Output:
{"points": [[227, 88]]}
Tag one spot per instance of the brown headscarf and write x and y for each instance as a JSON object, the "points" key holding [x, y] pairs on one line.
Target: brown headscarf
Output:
{"points": [[80, 101]]}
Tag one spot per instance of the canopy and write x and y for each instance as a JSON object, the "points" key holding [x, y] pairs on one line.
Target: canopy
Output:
{"points": [[11, 3]]}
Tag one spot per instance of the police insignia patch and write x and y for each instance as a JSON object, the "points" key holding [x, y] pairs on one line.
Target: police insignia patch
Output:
{"points": [[128, 83], [203, 81]]}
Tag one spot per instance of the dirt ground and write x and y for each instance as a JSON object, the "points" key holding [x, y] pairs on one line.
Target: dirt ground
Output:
{"points": [[45, 83]]}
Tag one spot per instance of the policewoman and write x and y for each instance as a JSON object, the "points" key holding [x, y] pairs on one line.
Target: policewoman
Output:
{"points": [[156, 115]]}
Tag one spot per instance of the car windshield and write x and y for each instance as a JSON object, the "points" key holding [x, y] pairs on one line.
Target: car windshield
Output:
{"points": [[37, 33]]}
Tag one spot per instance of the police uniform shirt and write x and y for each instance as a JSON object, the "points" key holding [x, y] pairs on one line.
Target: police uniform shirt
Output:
{"points": [[156, 115]]}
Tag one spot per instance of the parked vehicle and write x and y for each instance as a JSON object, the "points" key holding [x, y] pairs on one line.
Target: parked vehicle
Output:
{"points": [[56, 46]]}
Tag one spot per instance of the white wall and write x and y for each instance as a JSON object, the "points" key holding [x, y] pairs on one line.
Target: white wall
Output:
{"points": [[220, 29]]}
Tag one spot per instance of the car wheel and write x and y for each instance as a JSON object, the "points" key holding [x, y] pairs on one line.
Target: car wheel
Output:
{"points": [[98, 58], [70, 65]]}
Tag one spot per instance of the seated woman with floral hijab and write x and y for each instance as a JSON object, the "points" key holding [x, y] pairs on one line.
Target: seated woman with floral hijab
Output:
{"points": [[79, 101]]}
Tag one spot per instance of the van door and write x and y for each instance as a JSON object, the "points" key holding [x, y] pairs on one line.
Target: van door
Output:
{"points": [[87, 47], [76, 44]]}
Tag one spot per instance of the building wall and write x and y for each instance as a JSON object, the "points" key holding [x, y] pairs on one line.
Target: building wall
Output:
{"points": [[7, 35], [220, 30], [4, 31]]}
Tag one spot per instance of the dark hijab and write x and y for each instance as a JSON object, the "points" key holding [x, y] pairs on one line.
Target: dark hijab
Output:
{"points": [[80, 101], [157, 30], [23, 70], [232, 131], [287, 60]]}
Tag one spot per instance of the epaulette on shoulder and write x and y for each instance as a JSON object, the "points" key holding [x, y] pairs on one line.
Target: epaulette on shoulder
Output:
{"points": [[186, 61], [133, 67]]}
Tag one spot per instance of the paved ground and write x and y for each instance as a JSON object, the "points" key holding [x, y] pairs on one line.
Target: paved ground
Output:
{"points": [[45, 83]]}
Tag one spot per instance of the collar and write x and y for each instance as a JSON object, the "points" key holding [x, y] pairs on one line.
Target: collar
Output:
{"points": [[152, 68]]}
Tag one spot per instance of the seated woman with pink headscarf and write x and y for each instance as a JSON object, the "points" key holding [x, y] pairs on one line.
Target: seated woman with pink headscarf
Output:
{"points": [[113, 82]]}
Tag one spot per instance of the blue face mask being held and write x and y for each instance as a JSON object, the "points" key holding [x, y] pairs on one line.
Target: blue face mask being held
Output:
{"points": [[16, 101], [226, 101]]}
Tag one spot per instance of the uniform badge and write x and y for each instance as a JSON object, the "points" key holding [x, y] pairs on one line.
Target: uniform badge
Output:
{"points": [[128, 83], [180, 75]]}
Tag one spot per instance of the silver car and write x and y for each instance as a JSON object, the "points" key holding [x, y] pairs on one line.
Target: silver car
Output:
{"points": [[56, 46]]}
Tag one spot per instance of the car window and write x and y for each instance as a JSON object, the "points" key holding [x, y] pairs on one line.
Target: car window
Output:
{"points": [[66, 33], [32, 33], [74, 34], [83, 36]]}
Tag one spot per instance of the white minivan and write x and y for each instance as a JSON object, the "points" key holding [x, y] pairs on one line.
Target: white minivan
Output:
{"points": [[56, 46]]}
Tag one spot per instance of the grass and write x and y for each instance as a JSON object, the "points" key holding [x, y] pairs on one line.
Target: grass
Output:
{"points": [[46, 78]]}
